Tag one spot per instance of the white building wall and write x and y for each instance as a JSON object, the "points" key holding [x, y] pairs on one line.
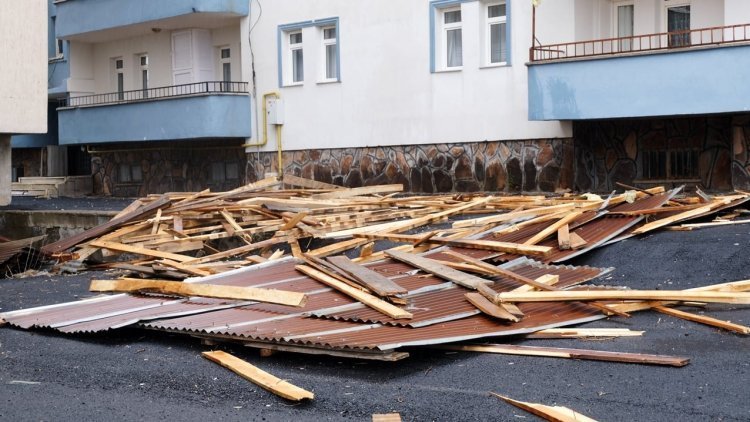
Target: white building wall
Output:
{"points": [[23, 66], [736, 12], [387, 94]]}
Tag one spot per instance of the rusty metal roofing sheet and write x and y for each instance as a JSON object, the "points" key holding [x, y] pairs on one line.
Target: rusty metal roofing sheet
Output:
{"points": [[12, 248]]}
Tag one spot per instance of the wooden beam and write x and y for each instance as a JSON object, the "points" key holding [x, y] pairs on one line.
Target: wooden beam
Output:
{"points": [[293, 180], [556, 352], [489, 245], [583, 333], [489, 294], [258, 376], [661, 295], [177, 288], [364, 190], [366, 298], [374, 281], [563, 237], [138, 250], [552, 228], [549, 413], [702, 319], [576, 241], [489, 308], [433, 267]]}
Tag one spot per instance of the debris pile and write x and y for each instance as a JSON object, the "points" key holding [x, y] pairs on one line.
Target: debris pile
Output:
{"points": [[309, 277]]}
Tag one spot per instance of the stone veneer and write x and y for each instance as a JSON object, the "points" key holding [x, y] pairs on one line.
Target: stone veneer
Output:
{"points": [[494, 166], [741, 149], [29, 159], [168, 167], [611, 151]]}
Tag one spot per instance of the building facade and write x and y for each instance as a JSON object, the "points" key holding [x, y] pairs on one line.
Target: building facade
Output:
{"points": [[23, 76], [440, 95], [655, 90]]}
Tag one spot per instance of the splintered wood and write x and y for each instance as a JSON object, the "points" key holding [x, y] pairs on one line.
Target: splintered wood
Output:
{"points": [[310, 225]]}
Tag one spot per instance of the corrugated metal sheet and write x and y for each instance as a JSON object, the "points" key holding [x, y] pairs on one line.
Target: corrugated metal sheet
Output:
{"points": [[12, 248]]}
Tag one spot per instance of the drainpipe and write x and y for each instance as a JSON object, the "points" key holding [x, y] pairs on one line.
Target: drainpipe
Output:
{"points": [[264, 141]]}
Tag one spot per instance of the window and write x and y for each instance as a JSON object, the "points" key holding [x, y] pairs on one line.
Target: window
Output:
{"points": [[624, 22], [296, 58], [678, 25], [330, 54], [670, 163], [323, 36], [496, 35], [451, 38], [59, 44], [119, 78], [130, 173], [143, 60], [225, 56]]}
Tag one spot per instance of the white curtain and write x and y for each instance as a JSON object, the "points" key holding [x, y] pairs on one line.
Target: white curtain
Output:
{"points": [[455, 48]]}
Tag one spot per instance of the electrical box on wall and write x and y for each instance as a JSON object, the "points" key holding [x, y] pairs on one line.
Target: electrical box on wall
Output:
{"points": [[275, 111]]}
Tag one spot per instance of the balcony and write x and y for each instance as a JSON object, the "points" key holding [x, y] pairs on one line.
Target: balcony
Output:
{"points": [[179, 112], [102, 20], [666, 74]]}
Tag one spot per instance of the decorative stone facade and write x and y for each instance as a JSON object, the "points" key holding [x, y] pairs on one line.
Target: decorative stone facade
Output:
{"points": [[29, 160], [741, 159], [131, 170], [613, 151], [513, 166]]}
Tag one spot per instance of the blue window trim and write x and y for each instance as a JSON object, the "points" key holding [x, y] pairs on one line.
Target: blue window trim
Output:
{"points": [[282, 29], [437, 5]]}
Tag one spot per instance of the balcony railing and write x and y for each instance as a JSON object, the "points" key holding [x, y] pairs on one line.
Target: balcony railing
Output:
{"points": [[139, 95], [642, 43]]}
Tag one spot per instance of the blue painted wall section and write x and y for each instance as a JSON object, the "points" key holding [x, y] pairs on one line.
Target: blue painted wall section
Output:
{"points": [[210, 116], [82, 16], [43, 139], [689, 82]]}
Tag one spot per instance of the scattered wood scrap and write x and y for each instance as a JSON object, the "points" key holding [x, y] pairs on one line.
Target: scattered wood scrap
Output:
{"points": [[196, 289], [550, 413], [258, 376]]}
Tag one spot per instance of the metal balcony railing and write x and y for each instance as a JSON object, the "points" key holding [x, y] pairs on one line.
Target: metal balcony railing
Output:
{"points": [[139, 95], [642, 43]]}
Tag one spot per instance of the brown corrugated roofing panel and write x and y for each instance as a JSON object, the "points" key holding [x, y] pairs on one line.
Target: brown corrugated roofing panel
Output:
{"points": [[13, 247]]}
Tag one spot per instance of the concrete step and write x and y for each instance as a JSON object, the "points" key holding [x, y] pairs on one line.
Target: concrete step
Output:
{"points": [[43, 180]]}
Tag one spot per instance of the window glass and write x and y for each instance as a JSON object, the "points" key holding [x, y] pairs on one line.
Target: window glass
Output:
{"points": [[454, 48], [496, 10], [331, 61], [498, 52], [225, 53], [295, 38], [298, 74], [329, 33], [454, 16]]}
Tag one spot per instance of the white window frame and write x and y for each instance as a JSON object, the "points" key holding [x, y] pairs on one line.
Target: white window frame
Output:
{"points": [[59, 48], [325, 43], [498, 20], [444, 29], [669, 4], [224, 61], [119, 74], [143, 74], [616, 23], [290, 50]]}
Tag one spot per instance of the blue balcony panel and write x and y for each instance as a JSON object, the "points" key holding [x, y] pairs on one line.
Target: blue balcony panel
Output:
{"points": [[75, 17], [39, 140], [686, 82], [182, 118]]}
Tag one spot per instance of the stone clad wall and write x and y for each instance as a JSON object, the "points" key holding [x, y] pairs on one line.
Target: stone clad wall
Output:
{"points": [[29, 159], [496, 166], [741, 158], [611, 151], [167, 167]]}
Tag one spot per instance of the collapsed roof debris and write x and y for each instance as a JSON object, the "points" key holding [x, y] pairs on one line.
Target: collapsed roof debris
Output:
{"points": [[487, 267]]}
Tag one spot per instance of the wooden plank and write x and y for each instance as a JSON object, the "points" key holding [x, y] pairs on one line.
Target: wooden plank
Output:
{"points": [[552, 228], [549, 413], [433, 267], [138, 250], [489, 308], [552, 333], [489, 245], [500, 218], [374, 281], [548, 279], [177, 288], [186, 268], [660, 295], [702, 319], [157, 220], [258, 376], [714, 224], [489, 294], [69, 242], [386, 417], [366, 298], [563, 237], [679, 217], [557, 352], [290, 179], [525, 280], [242, 250], [576, 241], [237, 228], [293, 221], [364, 190]]}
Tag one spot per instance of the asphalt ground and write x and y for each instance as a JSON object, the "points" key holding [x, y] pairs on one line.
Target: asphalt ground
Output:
{"points": [[143, 375]]}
